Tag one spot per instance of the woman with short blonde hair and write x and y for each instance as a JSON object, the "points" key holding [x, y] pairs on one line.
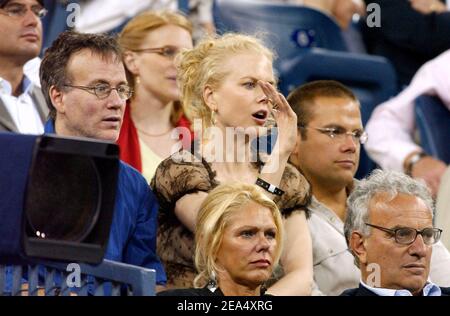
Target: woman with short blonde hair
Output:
{"points": [[239, 237]]}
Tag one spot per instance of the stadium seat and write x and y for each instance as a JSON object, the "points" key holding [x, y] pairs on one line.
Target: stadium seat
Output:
{"points": [[183, 6], [56, 20], [51, 279], [433, 121], [288, 29]]}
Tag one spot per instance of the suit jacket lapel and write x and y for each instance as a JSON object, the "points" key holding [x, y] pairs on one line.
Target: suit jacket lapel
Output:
{"points": [[363, 291], [39, 102], [6, 120]]}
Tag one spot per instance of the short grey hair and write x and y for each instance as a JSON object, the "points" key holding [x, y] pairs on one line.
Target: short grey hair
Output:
{"points": [[379, 181]]}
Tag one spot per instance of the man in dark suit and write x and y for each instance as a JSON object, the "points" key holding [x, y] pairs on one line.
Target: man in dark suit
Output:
{"points": [[22, 104], [389, 230], [411, 33]]}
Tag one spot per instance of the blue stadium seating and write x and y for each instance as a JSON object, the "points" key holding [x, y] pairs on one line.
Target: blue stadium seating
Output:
{"points": [[433, 122], [55, 21], [289, 29], [48, 278], [183, 6]]}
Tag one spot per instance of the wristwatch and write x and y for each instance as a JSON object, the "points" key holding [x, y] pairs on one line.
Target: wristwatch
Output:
{"points": [[412, 161], [269, 187]]}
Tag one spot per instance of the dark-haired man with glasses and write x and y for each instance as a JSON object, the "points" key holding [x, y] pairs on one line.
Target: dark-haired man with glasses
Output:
{"points": [[22, 105], [389, 229], [83, 79], [330, 135]]}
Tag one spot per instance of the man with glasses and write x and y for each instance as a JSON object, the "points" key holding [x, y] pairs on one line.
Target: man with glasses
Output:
{"points": [[83, 79], [389, 229], [22, 105], [330, 134]]}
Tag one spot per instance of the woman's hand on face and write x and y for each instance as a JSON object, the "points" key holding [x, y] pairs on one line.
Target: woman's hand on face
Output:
{"points": [[284, 116]]}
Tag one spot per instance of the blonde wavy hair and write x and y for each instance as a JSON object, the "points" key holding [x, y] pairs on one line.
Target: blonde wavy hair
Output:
{"points": [[214, 216], [203, 65], [137, 29]]}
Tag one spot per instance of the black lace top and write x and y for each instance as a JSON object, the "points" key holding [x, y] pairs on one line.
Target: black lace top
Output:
{"points": [[183, 174]]}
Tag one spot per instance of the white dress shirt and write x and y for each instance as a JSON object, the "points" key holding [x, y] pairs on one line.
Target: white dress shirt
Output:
{"points": [[429, 289], [392, 124], [95, 19], [22, 108]]}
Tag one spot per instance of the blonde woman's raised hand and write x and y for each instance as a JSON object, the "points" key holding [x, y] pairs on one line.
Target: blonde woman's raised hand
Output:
{"points": [[284, 116]]}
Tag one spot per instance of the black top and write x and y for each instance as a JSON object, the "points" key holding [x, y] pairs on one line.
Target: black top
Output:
{"points": [[363, 291], [185, 173], [191, 292], [407, 37]]}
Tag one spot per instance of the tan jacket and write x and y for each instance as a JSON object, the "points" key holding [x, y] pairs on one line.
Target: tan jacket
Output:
{"points": [[7, 123]]}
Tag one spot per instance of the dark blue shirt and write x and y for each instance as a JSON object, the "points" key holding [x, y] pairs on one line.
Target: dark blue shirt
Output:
{"points": [[132, 238]]}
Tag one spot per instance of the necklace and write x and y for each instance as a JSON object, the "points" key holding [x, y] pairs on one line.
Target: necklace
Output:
{"points": [[153, 135]]}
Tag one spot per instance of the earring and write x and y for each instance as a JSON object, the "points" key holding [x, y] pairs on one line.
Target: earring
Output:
{"points": [[137, 80], [212, 283], [213, 117]]}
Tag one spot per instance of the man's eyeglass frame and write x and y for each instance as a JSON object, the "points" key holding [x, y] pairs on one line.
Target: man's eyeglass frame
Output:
{"points": [[436, 231]]}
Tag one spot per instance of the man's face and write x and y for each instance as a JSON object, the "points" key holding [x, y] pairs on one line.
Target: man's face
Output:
{"points": [[21, 36], [325, 160], [81, 113], [401, 266]]}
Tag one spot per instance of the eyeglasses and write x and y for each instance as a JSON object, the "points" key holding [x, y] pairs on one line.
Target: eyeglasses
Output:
{"points": [[166, 51], [17, 10], [407, 235], [102, 91], [338, 133]]}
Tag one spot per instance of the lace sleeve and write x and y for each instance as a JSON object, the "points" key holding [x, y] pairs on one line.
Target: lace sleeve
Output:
{"points": [[297, 192], [179, 175]]}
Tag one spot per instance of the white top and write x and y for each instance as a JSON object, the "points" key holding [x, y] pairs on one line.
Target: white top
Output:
{"points": [[97, 16], [22, 109], [31, 70], [334, 270], [392, 124], [429, 289]]}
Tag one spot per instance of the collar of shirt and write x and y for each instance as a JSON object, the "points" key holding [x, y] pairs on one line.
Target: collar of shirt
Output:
{"points": [[327, 214], [6, 88], [430, 289], [49, 127]]}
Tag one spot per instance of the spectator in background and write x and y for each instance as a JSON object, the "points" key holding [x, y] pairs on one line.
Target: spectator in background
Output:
{"points": [[22, 104], [238, 242], [105, 16], [409, 35], [228, 84], [98, 16], [151, 41], [389, 229], [327, 152], [391, 125], [342, 11], [429, 6], [83, 79], [201, 16]]}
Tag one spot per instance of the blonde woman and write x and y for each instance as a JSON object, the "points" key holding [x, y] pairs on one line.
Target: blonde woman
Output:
{"points": [[239, 235], [228, 84], [150, 42]]}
